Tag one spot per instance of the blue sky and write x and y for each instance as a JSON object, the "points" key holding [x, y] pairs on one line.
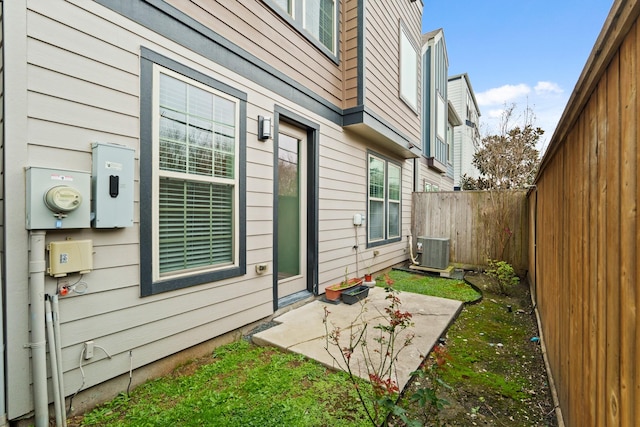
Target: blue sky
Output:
{"points": [[519, 50]]}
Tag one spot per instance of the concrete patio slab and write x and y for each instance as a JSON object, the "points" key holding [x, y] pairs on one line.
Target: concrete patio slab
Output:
{"points": [[302, 330]]}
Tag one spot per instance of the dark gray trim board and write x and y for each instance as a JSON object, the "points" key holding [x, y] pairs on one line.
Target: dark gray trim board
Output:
{"points": [[362, 115], [175, 25], [147, 285], [313, 179]]}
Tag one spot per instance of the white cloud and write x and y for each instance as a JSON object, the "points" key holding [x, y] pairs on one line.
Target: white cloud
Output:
{"points": [[547, 100], [548, 88], [495, 114], [502, 94]]}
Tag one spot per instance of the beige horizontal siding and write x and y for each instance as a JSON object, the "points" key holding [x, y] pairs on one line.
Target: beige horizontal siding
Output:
{"points": [[382, 90], [257, 29], [82, 75]]}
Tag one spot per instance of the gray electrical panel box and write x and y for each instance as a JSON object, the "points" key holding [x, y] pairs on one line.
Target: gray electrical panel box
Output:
{"points": [[112, 184], [57, 199]]}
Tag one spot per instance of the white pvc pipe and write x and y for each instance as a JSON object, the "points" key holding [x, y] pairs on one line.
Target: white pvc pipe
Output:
{"points": [[37, 266], [413, 260], [53, 362], [56, 330]]}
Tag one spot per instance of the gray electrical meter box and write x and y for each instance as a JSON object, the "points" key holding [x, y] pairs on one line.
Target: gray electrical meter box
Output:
{"points": [[112, 185], [57, 199]]}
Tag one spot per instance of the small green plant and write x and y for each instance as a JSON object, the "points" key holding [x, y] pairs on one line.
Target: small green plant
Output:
{"points": [[503, 275], [427, 396]]}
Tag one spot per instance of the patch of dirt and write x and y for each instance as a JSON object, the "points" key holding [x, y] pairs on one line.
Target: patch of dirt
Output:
{"points": [[495, 372]]}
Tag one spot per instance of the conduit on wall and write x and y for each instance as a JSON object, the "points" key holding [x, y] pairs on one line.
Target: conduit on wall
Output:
{"points": [[37, 266]]}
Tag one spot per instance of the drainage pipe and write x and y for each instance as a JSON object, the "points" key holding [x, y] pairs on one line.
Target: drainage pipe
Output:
{"points": [[53, 361], [56, 331], [36, 313], [413, 260]]}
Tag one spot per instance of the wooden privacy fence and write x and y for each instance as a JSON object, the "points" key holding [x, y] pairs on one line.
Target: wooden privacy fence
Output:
{"points": [[479, 224], [585, 247]]}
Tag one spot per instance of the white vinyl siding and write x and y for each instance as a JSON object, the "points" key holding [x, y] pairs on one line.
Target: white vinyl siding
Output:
{"points": [[195, 166], [385, 199]]}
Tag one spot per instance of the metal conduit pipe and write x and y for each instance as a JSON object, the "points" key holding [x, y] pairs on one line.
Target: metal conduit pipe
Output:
{"points": [[56, 330], [36, 313], [53, 362]]}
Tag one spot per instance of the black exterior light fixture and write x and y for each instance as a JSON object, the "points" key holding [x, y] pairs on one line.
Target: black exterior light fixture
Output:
{"points": [[264, 128]]}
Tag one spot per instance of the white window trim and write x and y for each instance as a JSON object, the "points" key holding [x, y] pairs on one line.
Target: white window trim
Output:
{"points": [[157, 173], [441, 119], [386, 201], [408, 69], [334, 29], [390, 201]]}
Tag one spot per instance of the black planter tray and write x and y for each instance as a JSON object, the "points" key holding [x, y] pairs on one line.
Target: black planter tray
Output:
{"points": [[354, 295]]}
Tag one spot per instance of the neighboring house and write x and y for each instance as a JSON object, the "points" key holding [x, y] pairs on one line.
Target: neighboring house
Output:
{"points": [[249, 135], [434, 170], [466, 137]]}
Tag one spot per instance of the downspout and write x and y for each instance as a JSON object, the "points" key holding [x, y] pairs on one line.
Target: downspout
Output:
{"points": [[3, 384], [36, 314]]}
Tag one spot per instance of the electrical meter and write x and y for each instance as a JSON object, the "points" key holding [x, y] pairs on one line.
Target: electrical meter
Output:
{"points": [[62, 199], [57, 199]]}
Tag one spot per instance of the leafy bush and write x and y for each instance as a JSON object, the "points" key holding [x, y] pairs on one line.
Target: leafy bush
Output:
{"points": [[502, 274]]}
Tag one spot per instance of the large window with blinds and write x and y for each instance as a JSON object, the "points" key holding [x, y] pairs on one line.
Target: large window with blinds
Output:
{"points": [[384, 200], [195, 182], [196, 172]]}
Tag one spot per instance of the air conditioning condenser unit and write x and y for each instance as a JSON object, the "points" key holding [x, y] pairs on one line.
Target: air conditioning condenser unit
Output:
{"points": [[434, 252]]}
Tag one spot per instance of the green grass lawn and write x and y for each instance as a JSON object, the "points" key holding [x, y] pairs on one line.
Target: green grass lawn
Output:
{"points": [[429, 285], [238, 385], [244, 385]]}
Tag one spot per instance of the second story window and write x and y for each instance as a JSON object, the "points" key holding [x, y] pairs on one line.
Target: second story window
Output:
{"points": [[318, 18], [286, 5], [408, 70]]}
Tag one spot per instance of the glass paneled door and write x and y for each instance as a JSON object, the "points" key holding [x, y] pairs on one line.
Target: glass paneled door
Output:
{"points": [[291, 212]]}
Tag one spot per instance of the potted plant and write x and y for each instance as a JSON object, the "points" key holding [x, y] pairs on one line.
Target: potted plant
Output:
{"points": [[367, 275], [368, 279], [333, 292], [355, 294]]}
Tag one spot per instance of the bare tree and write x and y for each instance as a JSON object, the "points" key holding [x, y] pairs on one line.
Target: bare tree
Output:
{"points": [[509, 159]]}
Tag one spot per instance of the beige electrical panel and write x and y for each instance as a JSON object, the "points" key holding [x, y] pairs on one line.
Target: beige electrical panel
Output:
{"points": [[70, 256]]}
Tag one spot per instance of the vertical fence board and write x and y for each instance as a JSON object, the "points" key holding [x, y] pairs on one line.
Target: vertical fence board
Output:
{"points": [[636, 403], [591, 233], [628, 143], [601, 250], [479, 224], [613, 248]]}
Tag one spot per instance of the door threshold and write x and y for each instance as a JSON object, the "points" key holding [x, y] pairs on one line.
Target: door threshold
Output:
{"points": [[293, 298]]}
